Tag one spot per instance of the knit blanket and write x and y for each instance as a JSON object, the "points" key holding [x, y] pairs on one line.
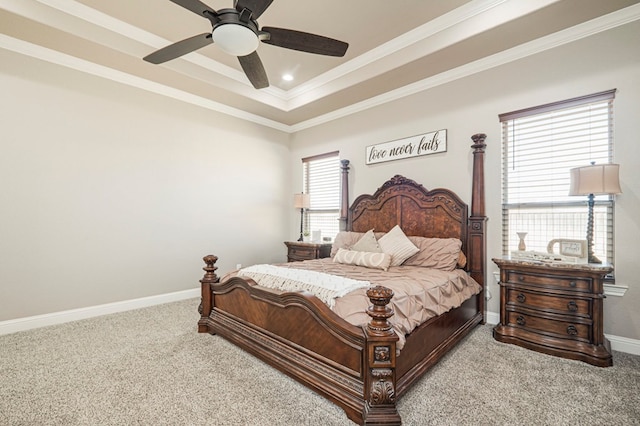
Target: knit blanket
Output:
{"points": [[326, 287]]}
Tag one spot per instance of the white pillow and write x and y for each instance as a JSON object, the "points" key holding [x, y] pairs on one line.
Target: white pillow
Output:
{"points": [[363, 258], [398, 245], [367, 243]]}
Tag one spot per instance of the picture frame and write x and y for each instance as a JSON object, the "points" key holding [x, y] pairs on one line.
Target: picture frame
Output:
{"points": [[569, 247]]}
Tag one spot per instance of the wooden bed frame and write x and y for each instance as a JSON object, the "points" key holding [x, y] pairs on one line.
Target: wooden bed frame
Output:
{"points": [[357, 367]]}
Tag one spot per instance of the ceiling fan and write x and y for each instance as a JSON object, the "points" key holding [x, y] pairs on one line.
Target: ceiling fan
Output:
{"points": [[236, 32]]}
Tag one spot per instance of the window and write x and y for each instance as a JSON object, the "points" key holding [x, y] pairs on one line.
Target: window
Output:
{"points": [[539, 147], [321, 180]]}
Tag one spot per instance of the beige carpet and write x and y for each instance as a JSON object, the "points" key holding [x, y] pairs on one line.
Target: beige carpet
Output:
{"points": [[150, 367]]}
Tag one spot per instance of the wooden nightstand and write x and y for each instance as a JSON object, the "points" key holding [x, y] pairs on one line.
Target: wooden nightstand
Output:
{"points": [[554, 308], [298, 250]]}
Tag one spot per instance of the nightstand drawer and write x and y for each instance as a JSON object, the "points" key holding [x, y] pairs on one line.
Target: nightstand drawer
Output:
{"points": [[298, 250], [302, 253], [549, 303], [551, 327], [550, 282]]}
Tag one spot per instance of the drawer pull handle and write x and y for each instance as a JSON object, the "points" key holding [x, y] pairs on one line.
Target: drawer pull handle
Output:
{"points": [[572, 284], [520, 320], [572, 306], [520, 278], [521, 298], [572, 330]]}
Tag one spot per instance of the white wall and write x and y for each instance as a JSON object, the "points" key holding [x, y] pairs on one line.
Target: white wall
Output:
{"points": [[109, 193], [471, 105]]}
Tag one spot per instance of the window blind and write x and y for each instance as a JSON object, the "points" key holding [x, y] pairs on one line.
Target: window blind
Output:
{"points": [[540, 146], [321, 180]]}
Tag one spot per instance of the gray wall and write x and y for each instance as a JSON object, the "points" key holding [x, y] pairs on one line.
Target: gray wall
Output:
{"points": [[109, 193]]}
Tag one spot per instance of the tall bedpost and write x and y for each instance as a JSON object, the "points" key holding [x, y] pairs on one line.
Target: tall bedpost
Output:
{"points": [[477, 221], [380, 392], [344, 194], [206, 301]]}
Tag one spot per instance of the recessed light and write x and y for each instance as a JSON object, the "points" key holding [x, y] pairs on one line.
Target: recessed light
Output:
{"points": [[287, 77]]}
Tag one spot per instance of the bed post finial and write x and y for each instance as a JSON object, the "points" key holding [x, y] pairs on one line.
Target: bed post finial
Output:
{"points": [[344, 194], [477, 221], [379, 311], [209, 278]]}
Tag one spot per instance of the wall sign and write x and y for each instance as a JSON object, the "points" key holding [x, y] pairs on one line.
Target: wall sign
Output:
{"points": [[414, 146]]}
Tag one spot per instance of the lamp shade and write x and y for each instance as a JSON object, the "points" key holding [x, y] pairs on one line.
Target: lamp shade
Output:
{"points": [[301, 201], [597, 179]]}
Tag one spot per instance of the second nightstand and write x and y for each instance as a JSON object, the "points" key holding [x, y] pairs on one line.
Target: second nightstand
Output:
{"points": [[554, 308], [298, 250]]}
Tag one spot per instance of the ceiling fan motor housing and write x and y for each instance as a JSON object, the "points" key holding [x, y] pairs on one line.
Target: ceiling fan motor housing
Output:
{"points": [[234, 33]]}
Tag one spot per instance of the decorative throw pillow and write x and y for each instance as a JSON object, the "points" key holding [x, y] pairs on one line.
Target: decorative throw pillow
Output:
{"points": [[367, 243], [396, 243], [345, 240], [437, 253], [362, 258]]}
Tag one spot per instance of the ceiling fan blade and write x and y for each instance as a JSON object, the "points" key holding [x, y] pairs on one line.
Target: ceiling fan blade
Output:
{"points": [[195, 6], [305, 42], [180, 48], [257, 7], [253, 68]]}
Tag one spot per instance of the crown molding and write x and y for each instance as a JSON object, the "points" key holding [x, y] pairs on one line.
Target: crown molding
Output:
{"points": [[68, 61], [606, 22], [586, 29], [450, 28]]}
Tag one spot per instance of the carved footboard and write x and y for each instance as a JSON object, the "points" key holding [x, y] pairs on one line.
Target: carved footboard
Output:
{"points": [[298, 334]]}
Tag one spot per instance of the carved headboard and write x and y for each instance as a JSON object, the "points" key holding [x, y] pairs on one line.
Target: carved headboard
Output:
{"points": [[439, 213]]}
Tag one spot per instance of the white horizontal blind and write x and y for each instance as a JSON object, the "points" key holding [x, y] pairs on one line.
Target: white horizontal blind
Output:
{"points": [[321, 180], [540, 146]]}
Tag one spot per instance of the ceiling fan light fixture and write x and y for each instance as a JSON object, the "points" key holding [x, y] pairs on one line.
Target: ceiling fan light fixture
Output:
{"points": [[235, 39], [236, 32]]}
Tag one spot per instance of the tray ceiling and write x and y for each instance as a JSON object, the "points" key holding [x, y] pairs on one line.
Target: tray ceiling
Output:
{"points": [[395, 48]]}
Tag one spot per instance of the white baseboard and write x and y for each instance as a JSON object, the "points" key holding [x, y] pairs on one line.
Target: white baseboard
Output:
{"points": [[37, 321], [624, 344], [493, 318], [620, 344]]}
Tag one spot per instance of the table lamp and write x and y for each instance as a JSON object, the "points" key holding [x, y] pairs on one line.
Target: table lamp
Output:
{"points": [[301, 201], [596, 179]]}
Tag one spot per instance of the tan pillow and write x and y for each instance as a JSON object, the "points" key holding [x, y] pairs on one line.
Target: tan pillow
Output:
{"points": [[437, 253], [363, 258], [367, 243], [396, 243], [345, 240]]}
